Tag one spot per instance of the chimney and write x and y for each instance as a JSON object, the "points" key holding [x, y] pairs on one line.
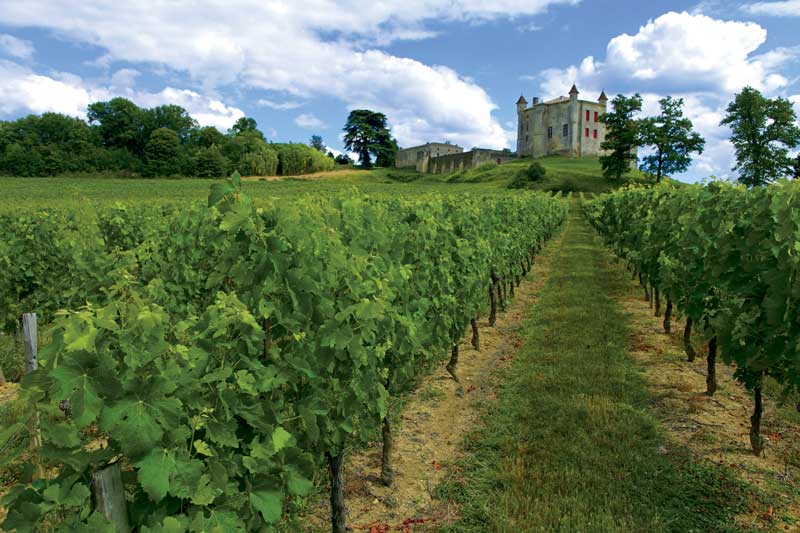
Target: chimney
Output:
{"points": [[535, 100]]}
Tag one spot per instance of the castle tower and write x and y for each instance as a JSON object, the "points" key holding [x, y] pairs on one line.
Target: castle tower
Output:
{"points": [[574, 117], [521, 105]]}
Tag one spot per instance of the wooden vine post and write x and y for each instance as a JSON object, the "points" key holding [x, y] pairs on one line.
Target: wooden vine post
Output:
{"points": [[109, 496], [31, 342]]}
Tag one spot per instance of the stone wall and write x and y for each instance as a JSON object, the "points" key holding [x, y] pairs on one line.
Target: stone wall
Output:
{"points": [[413, 156], [446, 164]]}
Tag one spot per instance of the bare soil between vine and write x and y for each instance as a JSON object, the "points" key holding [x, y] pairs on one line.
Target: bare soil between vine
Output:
{"points": [[716, 428], [435, 420]]}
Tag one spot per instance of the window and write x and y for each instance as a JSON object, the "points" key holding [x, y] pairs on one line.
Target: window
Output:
{"points": [[526, 139], [550, 132], [587, 132], [595, 134], [587, 115], [595, 116], [565, 129]]}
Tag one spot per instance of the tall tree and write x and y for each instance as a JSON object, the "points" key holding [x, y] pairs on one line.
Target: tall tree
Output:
{"points": [[622, 137], [763, 132], [161, 153], [317, 143], [366, 134], [672, 137], [796, 168], [121, 124], [173, 117], [245, 125]]}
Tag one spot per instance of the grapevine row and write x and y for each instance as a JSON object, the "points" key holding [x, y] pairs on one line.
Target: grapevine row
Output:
{"points": [[223, 354], [728, 259]]}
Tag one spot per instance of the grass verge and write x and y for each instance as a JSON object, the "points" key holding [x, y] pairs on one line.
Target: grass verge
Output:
{"points": [[571, 444]]}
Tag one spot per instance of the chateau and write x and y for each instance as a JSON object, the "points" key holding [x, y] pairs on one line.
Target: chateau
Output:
{"points": [[564, 125]]}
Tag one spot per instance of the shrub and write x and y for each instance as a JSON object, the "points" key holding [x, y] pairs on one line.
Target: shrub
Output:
{"points": [[526, 177]]}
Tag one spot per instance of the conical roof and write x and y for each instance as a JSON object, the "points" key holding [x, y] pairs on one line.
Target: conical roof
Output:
{"points": [[603, 96], [522, 100], [573, 90]]}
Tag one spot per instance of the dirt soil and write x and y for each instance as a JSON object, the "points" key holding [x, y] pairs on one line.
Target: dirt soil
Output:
{"points": [[311, 176], [434, 422], [716, 428]]}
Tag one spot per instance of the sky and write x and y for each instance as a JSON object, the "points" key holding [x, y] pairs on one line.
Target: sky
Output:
{"points": [[441, 70]]}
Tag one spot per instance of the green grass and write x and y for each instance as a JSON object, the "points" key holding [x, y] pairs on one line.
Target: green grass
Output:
{"points": [[571, 444], [563, 174], [567, 174]]}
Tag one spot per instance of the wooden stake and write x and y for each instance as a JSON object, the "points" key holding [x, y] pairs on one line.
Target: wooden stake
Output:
{"points": [[109, 496], [31, 342]]}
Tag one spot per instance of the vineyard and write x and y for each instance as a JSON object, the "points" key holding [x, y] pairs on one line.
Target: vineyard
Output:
{"points": [[216, 358], [726, 258]]}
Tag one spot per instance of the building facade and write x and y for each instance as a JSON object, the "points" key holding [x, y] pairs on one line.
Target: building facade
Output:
{"points": [[414, 156], [565, 125]]}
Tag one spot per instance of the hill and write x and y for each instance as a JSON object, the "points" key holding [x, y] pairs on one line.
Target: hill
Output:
{"points": [[564, 174]]}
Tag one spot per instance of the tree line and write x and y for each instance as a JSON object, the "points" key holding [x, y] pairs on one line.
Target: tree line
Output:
{"points": [[763, 132], [120, 137]]}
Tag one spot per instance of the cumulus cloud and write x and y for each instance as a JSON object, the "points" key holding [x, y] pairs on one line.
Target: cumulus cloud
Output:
{"points": [[787, 8], [309, 122], [683, 52], [23, 90], [305, 49], [15, 47]]}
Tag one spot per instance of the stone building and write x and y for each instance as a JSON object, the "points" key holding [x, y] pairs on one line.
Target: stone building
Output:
{"points": [[414, 156], [564, 125]]}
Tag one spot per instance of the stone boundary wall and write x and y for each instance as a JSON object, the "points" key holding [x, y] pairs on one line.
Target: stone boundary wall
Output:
{"points": [[446, 164]]}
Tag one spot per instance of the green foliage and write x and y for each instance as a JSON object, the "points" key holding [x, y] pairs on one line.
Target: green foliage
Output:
{"points": [[725, 256], [245, 125], [343, 159], [224, 350], [210, 163], [622, 137], [672, 138], [367, 134], [763, 132], [162, 153], [535, 172], [317, 143], [296, 159]]}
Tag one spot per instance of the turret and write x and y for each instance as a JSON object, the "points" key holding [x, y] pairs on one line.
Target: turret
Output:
{"points": [[573, 93], [603, 98], [521, 104]]}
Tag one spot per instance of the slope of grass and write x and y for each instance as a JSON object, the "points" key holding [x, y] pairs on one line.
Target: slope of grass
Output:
{"points": [[571, 444]]}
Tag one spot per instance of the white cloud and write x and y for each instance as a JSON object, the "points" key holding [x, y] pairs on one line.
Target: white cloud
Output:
{"points": [[703, 60], [788, 8], [280, 106], [309, 122], [124, 78], [315, 47], [16, 47], [21, 90]]}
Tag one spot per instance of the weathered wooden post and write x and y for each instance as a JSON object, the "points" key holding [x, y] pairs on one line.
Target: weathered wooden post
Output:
{"points": [[109, 496], [31, 342]]}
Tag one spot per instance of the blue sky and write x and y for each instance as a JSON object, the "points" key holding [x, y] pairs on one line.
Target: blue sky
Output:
{"points": [[439, 69]]}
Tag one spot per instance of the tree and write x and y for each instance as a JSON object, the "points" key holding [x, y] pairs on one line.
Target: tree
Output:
{"points": [[796, 168], [207, 136], [388, 152], [672, 138], [162, 153], [366, 134], [622, 137], [173, 117], [317, 143], [210, 163], [763, 132], [121, 124], [343, 159], [245, 125]]}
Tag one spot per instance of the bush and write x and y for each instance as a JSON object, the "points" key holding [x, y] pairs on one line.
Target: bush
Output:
{"points": [[296, 159], [528, 176]]}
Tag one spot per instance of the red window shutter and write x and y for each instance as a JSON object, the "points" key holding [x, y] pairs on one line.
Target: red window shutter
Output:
{"points": [[595, 116], [595, 134], [587, 132], [587, 115]]}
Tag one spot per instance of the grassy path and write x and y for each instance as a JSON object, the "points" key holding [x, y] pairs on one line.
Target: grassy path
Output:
{"points": [[572, 444]]}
